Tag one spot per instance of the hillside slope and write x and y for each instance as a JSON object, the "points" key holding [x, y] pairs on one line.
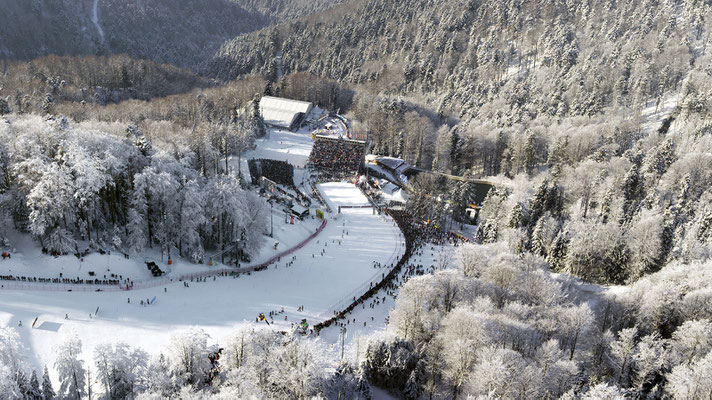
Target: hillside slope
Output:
{"points": [[181, 32], [491, 60]]}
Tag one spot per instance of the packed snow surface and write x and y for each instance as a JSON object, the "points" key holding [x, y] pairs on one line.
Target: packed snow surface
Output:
{"points": [[283, 145], [350, 243]]}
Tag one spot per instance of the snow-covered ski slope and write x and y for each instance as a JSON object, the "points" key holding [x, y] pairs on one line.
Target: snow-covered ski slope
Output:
{"points": [[283, 145], [318, 282]]}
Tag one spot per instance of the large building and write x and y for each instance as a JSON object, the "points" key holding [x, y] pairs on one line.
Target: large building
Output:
{"points": [[284, 113]]}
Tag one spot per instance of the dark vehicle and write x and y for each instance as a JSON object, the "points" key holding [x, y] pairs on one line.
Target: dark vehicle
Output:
{"points": [[153, 267]]}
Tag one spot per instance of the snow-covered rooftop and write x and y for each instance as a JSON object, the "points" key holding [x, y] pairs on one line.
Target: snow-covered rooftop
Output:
{"points": [[281, 112]]}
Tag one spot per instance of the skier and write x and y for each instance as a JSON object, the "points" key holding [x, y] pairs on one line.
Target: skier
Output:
{"points": [[20, 324], [66, 316], [128, 300]]}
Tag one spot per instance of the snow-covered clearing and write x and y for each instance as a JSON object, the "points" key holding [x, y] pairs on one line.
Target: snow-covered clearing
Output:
{"points": [[351, 242], [654, 115], [293, 147]]}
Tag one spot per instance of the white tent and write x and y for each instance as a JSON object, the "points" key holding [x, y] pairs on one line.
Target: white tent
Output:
{"points": [[284, 113], [299, 211]]}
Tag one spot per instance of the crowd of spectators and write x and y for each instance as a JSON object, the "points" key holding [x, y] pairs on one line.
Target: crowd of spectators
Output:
{"points": [[279, 172], [336, 155], [417, 236], [61, 280]]}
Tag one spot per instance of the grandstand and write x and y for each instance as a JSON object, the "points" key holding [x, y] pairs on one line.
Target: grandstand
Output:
{"points": [[337, 155], [278, 171], [269, 173]]}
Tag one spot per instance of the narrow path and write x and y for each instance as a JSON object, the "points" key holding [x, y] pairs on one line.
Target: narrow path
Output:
{"points": [[95, 20]]}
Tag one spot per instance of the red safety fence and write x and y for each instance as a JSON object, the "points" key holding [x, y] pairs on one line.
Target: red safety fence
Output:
{"points": [[92, 287]]}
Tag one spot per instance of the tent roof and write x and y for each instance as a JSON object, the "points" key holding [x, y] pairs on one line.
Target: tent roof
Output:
{"points": [[299, 209], [281, 112]]}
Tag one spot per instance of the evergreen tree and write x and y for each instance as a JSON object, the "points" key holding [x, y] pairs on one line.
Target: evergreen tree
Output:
{"points": [[48, 104], [22, 383], [516, 216], [412, 387], [557, 254], [539, 202], [632, 190], [47, 390], [256, 122], [537, 241], [529, 154], [4, 107], [33, 391]]}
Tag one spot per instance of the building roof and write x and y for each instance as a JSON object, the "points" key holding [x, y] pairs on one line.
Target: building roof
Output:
{"points": [[299, 210], [390, 162], [281, 112]]}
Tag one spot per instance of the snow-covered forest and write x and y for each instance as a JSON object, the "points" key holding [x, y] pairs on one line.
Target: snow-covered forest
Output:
{"points": [[589, 273], [107, 184]]}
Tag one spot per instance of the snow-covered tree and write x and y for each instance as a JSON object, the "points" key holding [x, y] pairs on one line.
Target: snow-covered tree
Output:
{"points": [[50, 201], [119, 368], [649, 359], [188, 357], [691, 381], [499, 373], [72, 375], [192, 220], [576, 321], [691, 341], [33, 388], [557, 373], [158, 380], [622, 351], [461, 335], [47, 389], [604, 391], [9, 389], [644, 241]]}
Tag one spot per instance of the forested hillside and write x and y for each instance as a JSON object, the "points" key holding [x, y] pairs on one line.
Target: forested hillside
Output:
{"points": [[493, 64], [184, 33], [494, 61], [590, 272], [593, 115], [282, 10]]}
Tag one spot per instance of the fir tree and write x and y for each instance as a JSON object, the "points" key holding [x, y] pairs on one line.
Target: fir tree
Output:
{"points": [[557, 254], [33, 390], [4, 107], [412, 387], [256, 122], [22, 383], [47, 390], [48, 104], [529, 154], [537, 241]]}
